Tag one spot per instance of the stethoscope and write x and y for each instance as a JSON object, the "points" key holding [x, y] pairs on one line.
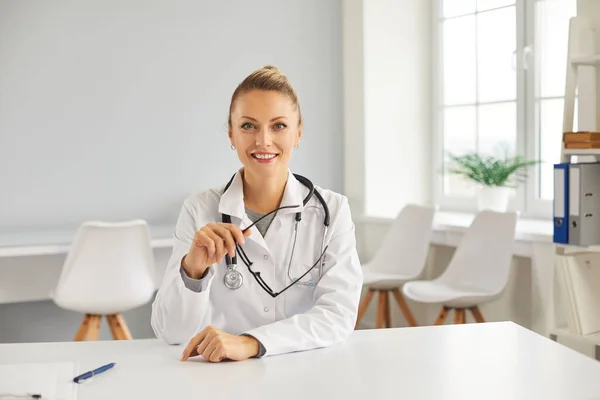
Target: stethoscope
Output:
{"points": [[233, 279]]}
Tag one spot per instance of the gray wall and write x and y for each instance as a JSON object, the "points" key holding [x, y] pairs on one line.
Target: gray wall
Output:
{"points": [[117, 110]]}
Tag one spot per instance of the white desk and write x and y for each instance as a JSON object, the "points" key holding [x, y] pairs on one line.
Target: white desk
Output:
{"points": [[473, 361]]}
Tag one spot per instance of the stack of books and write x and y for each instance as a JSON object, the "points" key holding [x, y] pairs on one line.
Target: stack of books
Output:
{"points": [[581, 140]]}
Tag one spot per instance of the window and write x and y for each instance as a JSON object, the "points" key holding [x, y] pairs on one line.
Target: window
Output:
{"points": [[500, 74]]}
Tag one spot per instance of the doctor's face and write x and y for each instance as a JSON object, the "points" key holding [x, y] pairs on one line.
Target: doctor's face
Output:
{"points": [[264, 129]]}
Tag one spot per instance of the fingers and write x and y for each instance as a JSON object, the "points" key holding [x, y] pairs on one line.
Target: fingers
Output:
{"points": [[215, 350], [193, 344], [201, 239], [220, 239], [228, 238], [216, 356], [217, 243], [239, 235], [207, 343], [201, 348]]}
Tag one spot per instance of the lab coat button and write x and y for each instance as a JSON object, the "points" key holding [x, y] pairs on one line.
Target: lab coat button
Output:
{"points": [[266, 257], [266, 309]]}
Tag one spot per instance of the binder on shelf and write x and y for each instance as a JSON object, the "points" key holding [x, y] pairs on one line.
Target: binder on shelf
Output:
{"points": [[584, 204], [561, 203]]}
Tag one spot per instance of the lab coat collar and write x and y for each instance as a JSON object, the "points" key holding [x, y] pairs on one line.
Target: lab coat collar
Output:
{"points": [[232, 201]]}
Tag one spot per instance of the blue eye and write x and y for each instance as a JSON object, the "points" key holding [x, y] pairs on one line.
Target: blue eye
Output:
{"points": [[279, 126], [247, 125]]}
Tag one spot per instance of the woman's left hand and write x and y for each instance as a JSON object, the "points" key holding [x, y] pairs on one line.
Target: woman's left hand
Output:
{"points": [[215, 345]]}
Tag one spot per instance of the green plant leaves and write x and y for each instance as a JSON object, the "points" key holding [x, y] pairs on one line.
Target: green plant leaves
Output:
{"points": [[490, 170]]}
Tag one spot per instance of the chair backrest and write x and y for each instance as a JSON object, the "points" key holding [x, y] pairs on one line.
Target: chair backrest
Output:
{"points": [[108, 260], [482, 260], [405, 246]]}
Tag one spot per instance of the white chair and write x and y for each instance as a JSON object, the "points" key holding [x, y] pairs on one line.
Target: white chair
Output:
{"points": [[400, 258], [108, 270], [478, 271]]}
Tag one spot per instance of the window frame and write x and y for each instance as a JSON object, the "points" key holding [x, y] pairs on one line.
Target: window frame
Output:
{"points": [[525, 200]]}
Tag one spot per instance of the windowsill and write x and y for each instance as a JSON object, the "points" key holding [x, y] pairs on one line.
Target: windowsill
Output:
{"points": [[448, 228]]}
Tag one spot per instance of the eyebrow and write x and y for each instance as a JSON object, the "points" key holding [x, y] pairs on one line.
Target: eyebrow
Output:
{"points": [[254, 119]]}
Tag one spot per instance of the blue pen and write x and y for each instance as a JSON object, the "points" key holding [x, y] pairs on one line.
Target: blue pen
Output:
{"points": [[97, 371]]}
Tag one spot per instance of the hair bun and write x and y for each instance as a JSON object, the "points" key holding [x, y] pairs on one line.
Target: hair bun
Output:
{"points": [[271, 68]]}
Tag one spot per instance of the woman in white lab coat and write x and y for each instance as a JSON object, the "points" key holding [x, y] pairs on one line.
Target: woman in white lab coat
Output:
{"points": [[201, 302]]}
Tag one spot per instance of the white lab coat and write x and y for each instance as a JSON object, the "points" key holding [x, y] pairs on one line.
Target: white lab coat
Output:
{"points": [[301, 318]]}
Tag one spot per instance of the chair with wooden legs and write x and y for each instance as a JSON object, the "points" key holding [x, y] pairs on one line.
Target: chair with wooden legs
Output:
{"points": [[478, 271], [108, 270], [90, 327], [400, 258], [460, 315]]}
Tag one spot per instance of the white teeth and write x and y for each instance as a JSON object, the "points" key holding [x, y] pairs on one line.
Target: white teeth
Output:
{"points": [[264, 156]]}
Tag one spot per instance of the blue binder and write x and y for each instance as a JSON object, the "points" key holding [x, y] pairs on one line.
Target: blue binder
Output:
{"points": [[561, 203]]}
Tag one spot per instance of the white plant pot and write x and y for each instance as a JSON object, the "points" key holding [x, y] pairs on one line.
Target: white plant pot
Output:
{"points": [[493, 198]]}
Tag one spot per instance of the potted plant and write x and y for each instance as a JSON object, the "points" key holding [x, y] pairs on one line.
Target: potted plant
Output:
{"points": [[495, 176]]}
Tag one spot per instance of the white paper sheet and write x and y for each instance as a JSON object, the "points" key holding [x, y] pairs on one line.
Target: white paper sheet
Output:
{"points": [[54, 381]]}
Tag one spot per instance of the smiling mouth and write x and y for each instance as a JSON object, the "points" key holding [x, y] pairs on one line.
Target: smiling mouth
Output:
{"points": [[264, 156]]}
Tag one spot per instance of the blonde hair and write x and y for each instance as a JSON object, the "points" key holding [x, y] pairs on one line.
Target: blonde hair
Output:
{"points": [[267, 78]]}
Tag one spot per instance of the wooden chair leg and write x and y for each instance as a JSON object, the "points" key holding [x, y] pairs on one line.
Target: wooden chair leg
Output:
{"points": [[442, 316], [119, 328], [459, 316], [380, 310], [477, 314], [83, 328], [404, 308], [114, 327], [388, 311], [94, 327], [363, 306]]}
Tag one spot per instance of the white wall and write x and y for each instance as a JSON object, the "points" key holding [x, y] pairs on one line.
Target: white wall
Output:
{"points": [[397, 67], [388, 133], [354, 108]]}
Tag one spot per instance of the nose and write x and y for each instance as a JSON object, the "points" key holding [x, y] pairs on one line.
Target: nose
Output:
{"points": [[264, 137]]}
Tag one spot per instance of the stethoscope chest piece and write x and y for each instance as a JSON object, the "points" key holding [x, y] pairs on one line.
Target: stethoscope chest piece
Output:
{"points": [[233, 279]]}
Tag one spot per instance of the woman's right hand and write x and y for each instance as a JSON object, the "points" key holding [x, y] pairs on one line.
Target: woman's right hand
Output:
{"points": [[210, 244]]}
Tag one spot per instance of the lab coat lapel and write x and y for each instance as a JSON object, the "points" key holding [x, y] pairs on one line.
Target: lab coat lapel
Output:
{"points": [[293, 195], [232, 203]]}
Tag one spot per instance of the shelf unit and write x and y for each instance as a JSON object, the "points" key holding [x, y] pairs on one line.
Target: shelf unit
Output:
{"points": [[582, 53], [581, 152], [589, 60], [592, 339]]}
